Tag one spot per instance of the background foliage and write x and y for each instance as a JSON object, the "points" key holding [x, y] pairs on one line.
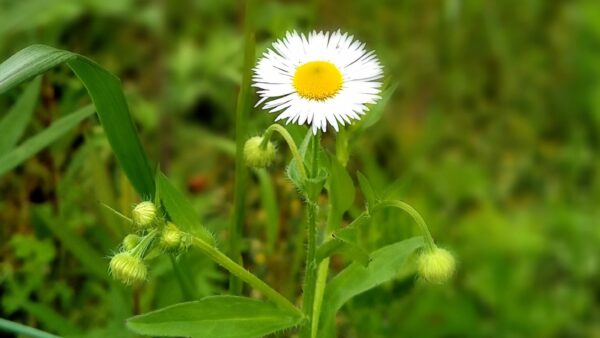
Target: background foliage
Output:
{"points": [[491, 132]]}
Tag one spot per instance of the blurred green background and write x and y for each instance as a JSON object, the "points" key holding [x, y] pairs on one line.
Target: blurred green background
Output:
{"points": [[491, 132]]}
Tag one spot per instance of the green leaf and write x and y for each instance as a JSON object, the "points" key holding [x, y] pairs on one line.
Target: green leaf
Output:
{"points": [[13, 124], [348, 248], [30, 62], [385, 264], [292, 169], [215, 317], [344, 241], [341, 187], [313, 185], [367, 190], [9, 326], [180, 210], [106, 94], [38, 142]]}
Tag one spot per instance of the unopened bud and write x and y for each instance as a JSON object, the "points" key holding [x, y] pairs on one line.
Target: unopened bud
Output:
{"points": [[128, 269], [131, 241], [171, 237], [257, 156], [144, 215], [436, 266]]}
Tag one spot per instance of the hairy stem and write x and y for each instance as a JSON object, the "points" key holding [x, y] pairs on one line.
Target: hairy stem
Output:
{"points": [[244, 275], [429, 243], [311, 264], [290, 142]]}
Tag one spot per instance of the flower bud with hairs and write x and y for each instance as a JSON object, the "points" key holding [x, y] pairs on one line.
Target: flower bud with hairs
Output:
{"points": [[437, 266], [128, 269], [144, 215], [258, 153], [131, 241], [172, 239]]}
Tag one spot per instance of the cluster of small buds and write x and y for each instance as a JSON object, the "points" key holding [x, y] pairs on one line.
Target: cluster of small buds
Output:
{"points": [[151, 230], [257, 154], [436, 266]]}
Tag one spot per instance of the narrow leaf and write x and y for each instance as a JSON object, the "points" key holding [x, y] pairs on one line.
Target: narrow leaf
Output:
{"points": [[30, 62], [107, 95], [180, 211], [10, 326], [345, 241], [292, 170], [356, 279], [215, 317], [38, 142], [13, 124], [341, 187], [348, 248], [367, 189]]}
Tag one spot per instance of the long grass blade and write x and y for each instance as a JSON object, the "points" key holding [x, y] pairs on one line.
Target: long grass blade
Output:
{"points": [[10, 326], [38, 142], [13, 124], [107, 96]]}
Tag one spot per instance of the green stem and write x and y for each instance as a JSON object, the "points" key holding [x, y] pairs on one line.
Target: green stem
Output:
{"points": [[323, 269], [311, 264], [321, 283], [243, 274], [290, 142], [430, 244], [241, 173]]}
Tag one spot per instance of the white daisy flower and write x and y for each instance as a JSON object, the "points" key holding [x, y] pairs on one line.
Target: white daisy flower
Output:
{"points": [[320, 79]]}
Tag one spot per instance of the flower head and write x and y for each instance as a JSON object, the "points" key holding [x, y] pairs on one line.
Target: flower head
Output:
{"points": [[144, 215], [436, 267], [128, 269], [257, 156], [319, 79]]}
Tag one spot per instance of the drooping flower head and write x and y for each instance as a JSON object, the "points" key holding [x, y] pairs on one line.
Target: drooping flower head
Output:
{"points": [[319, 79]]}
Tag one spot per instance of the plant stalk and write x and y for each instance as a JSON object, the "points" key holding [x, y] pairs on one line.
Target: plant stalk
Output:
{"points": [[310, 278], [244, 275], [290, 142], [429, 242], [241, 173]]}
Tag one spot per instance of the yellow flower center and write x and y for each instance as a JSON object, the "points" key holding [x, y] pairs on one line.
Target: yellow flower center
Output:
{"points": [[317, 80]]}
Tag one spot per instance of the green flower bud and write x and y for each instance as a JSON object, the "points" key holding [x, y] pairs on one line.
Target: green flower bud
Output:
{"points": [[257, 156], [144, 215], [131, 241], [128, 269], [436, 267], [170, 237]]}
